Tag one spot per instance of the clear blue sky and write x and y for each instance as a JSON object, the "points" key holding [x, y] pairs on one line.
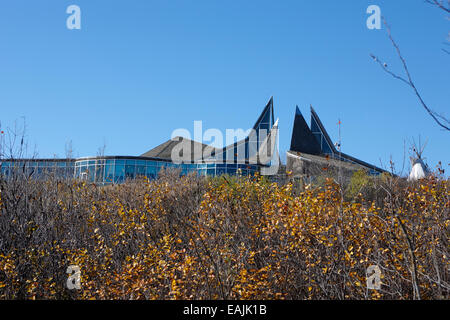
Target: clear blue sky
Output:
{"points": [[137, 70]]}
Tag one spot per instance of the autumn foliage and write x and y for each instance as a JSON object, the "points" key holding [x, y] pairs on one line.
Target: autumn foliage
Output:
{"points": [[223, 238]]}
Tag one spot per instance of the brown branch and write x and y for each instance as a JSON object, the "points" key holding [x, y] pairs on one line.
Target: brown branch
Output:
{"points": [[439, 4], [444, 123], [411, 249]]}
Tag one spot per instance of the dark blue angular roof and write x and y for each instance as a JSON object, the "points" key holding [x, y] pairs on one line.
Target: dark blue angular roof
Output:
{"points": [[302, 138], [316, 141]]}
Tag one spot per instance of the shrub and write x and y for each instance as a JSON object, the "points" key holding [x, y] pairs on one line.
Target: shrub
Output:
{"points": [[223, 238]]}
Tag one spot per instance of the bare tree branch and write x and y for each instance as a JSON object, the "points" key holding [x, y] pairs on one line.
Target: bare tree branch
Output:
{"points": [[443, 122], [440, 4]]}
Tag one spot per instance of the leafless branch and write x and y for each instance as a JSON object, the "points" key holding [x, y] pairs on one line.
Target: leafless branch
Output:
{"points": [[440, 4], [439, 119]]}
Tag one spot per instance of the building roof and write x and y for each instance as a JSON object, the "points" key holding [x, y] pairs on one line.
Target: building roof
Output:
{"points": [[165, 150], [244, 150], [316, 141], [302, 138], [248, 149], [316, 124], [326, 160], [266, 115]]}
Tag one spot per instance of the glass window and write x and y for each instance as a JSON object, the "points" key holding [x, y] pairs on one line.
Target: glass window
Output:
{"points": [[130, 171], [109, 173], [119, 173], [91, 173], [151, 171], [140, 170], [99, 173], [130, 162], [220, 171], [325, 148]]}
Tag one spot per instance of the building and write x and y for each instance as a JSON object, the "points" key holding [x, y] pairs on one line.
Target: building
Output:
{"points": [[247, 156], [312, 151]]}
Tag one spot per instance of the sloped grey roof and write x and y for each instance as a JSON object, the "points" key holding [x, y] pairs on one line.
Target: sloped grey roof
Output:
{"points": [[325, 160], [164, 150]]}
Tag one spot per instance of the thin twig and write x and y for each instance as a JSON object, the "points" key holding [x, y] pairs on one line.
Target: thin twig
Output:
{"points": [[439, 4], [409, 80]]}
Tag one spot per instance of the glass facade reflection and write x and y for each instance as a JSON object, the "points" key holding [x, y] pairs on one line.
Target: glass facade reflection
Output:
{"points": [[108, 170], [116, 169], [38, 168]]}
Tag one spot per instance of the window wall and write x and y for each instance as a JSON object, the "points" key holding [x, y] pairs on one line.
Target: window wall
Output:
{"points": [[117, 170], [38, 168]]}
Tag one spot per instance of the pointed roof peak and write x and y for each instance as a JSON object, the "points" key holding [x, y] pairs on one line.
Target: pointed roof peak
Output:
{"points": [[315, 118], [297, 111], [267, 108]]}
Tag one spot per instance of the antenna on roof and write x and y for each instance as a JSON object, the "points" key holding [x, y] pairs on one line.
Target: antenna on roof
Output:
{"points": [[338, 144]]}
